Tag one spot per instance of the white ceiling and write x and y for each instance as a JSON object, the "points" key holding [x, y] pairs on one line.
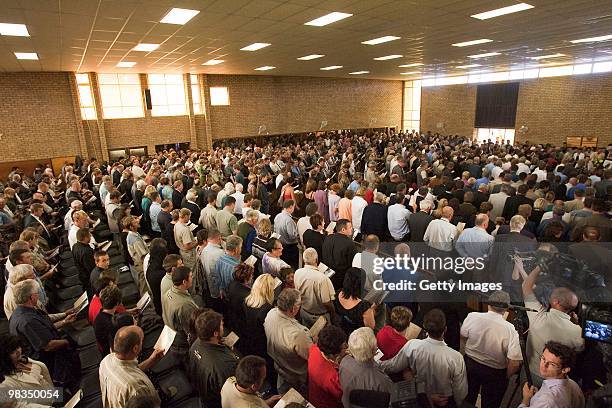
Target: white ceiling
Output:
{"points": [[94, 35]]}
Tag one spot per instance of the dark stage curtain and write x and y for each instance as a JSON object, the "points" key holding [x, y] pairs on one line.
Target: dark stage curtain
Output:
{"points": [[496, 105]]}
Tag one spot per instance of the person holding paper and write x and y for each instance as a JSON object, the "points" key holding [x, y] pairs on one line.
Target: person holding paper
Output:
{"points": [[285, 227], [241, 390], [210, 361], [288, 342], [120, 377], [271, 262], [238, 290], [315, 236], [138, 249], [315, 288], [339, 251]]}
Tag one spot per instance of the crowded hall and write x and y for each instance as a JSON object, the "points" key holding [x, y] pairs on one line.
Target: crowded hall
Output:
{"points": [[327, 204]]}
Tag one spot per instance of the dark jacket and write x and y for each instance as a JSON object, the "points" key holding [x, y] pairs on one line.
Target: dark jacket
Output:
{"points": [[338, 253], [314, 239], [418, 223], [512, 205], [374, 220], [84, 260]]}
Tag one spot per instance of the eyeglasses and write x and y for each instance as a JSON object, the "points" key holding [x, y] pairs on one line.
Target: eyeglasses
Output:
{"points": [[549, 363]]}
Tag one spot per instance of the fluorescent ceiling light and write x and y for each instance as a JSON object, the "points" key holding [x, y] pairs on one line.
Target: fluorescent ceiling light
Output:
{"points": [[488, 54], [503, 11], [593, 39], [473, 42], [359, 72], [468, 66], [388, 57], [328, 19], [310, 57], [416, 64], [409, 73], [264, 68], [126, 64], [18, 30], [213, 62], [179, 16], [381, 40], [254, 47], [145, 47], [331, 67], [547, 56], [26, 55]]}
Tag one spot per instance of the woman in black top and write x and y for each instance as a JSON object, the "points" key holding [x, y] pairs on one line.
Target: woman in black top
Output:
{"points": [[155, 271], [238, 290], [351, 310], [313, 238]]}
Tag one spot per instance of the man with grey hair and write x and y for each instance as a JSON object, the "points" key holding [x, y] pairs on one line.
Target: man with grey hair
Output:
{"points": [[18, 274], [246, 231], [420, 220], [239, 196], [44, 340], [374, 218], [75, 205], [441, 234], [358, 371], [492, 351], [224, 268], [288, 342], [190, 202], [316, 289], [498, 200], [476, 242]]}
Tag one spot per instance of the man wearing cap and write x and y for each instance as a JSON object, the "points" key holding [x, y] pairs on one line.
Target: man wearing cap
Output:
{"points": [[492, 351]]}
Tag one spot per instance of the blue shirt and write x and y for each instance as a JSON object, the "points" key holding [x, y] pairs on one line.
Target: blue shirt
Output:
{"points": [[224, 273], [474, 243], [36, 327], [354, 186], [154, 211]]}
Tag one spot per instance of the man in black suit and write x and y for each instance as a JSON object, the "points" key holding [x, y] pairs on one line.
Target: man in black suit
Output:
{"points": [[83, 257], [374, 218], [481, 195], [190, 203], [177, 194], [339, 251], [513, 202], [505, 247], [419, 221], [34, 220]]}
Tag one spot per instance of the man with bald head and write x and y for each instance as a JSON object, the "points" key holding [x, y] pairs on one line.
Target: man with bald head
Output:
{"points": [[441, 234], [560, 323], [120, 376]]}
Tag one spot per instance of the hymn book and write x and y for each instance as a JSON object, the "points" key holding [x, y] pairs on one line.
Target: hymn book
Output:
{"points": [[165, 340]]}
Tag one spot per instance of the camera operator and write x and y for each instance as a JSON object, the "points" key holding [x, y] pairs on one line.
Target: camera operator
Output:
{"points": [[559, 323], [492, 352], [558, 391]]}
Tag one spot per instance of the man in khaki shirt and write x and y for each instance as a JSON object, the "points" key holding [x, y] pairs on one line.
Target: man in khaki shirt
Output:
{"points": [[315, 288], [288, 342], [241, 390], [177, 306], [184, 238]]}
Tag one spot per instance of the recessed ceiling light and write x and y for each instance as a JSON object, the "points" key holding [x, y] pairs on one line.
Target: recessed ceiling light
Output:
{"points": [[547, 56], [310, 57], [18, 30], [488, 54], [359, 72], [416, 64], [126, 64], [503, 11], [473, 42], [593, 39], [331, 67], [468, 66], [26, 55], [409, 73], [381, 40], [264, 68], [145, 47], [388, 57], [254, 47], [328, 19], [213, 62], [179, 16]]}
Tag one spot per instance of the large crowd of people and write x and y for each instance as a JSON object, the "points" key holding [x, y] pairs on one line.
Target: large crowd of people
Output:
{"points": [[259, 257]]}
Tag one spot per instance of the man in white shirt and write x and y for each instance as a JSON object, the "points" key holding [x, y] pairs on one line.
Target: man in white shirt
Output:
{"points": [[239, 196], [315, 288], [357, 207], [209, 257], [441, 234], [498, 200], [492, 352], [441, 368], [80, 220], [75, 205], [397, 219], [560, 323]]}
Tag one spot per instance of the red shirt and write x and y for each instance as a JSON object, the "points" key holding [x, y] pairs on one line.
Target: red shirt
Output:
{"points": [[324, 390], [95, 306], [390, 342]]}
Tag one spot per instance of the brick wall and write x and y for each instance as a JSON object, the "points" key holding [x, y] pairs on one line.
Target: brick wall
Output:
{"points": [[37, 117], [552, 108], [148, 131], [300, 104], [448, 109]]}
